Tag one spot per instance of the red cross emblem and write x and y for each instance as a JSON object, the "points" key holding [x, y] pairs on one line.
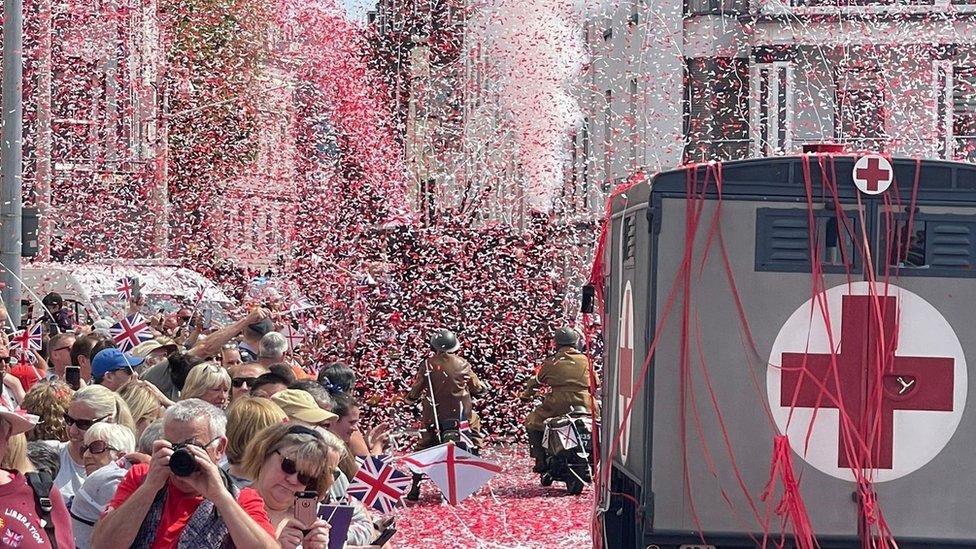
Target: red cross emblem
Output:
{"points": [[873, 174], [625, 367], [861, 366], [867, 376]]}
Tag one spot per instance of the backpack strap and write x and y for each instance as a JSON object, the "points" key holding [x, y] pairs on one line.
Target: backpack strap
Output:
{"points": [[42, 483]]}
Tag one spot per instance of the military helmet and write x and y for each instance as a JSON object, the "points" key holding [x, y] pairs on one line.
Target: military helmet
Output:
{"points": [[444, 341], [566, 336]]}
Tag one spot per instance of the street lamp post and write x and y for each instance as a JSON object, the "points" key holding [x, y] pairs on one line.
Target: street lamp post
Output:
{"points": [[11, 155]]}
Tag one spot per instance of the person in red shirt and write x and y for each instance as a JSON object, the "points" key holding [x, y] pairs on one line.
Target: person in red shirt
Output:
{"points": [[156, 508], [20, 523]]}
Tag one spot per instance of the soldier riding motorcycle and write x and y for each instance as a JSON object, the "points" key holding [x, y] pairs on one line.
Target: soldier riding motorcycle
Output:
{"points": [[448, 382], [566, 373]]}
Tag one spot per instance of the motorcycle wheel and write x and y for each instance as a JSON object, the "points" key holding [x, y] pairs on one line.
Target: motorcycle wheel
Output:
{"points": [[574, 486], [545, 479]]}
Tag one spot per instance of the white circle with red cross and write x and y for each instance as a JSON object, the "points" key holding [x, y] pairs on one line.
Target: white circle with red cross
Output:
{"points": [[625, 369], [901, 408], [873, 174]]}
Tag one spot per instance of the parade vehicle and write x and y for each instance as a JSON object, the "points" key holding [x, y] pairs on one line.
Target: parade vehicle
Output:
{"points": [[568, 440], [786, 355], [91, 290]]}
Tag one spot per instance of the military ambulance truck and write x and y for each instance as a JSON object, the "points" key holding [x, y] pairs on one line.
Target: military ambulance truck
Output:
{"points": [[811, 319]]}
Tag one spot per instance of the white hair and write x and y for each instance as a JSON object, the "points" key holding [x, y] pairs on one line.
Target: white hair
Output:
{"points": [[187, 411], [152, 433], [117, 436], [273, 346], [104, 402]]}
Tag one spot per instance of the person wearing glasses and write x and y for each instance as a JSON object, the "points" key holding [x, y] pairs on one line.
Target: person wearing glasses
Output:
{"points": [[22, 523], [243, 377], [112, 368], [59, 354], [106, 445], [90, 405], [154, 507], [285, 459]]}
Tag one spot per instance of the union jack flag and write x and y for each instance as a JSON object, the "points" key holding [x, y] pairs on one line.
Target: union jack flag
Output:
{"points": [[378, 484], [11, 538], [467, 435], [28, 340], [126, 288], [129, 332]]}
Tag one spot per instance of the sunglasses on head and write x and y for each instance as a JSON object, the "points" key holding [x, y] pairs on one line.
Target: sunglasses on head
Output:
{"points": [[240, 381], [97, 447], [289, 467], [83, 424]]}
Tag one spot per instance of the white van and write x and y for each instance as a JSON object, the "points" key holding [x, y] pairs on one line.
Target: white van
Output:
{"points": [[91, 289]]}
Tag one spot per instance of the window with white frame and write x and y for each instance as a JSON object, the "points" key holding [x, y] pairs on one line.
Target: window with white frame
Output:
{"points": [[716, 109], [860, 107], [964, 112], [607, 138], [635, 125], [772, 110]]}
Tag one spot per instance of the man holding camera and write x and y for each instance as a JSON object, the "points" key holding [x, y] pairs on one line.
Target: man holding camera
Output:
{"points": [[182, 498]]}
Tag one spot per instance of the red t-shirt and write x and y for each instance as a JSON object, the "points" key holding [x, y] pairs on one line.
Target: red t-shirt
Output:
{"points": [[19, 524], [179, 507]]}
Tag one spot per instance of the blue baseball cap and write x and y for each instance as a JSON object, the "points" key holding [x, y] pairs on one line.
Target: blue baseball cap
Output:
{"points": [[109, 360]]}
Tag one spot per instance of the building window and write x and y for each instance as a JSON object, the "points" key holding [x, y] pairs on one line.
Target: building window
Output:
{"points": [[608, 34], [964, 112], [942, 115], [716, 109], [774, 110], [635, 125], [716, 7], [585, 144], [860, 111], [607, 138], [635, 6]]}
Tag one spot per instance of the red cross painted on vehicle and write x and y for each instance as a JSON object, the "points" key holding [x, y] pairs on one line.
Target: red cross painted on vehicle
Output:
{"points": [[873, 174], [869, 381]]}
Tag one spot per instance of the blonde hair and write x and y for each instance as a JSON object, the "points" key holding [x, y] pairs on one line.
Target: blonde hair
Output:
{"points": [[202, 378], [143, 404], [15, 458], [117, 436], [105, 402], [311, 451], [49, 401], [245, 418]]}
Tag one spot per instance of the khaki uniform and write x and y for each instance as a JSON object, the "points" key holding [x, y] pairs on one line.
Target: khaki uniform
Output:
{"points": [[567, 374], [454, 382]]}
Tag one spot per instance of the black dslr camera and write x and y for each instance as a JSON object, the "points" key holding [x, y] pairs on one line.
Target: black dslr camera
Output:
{"points": [[182, 462]]}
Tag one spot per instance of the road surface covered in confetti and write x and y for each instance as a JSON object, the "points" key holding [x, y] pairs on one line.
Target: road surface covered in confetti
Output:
{"points": [[513, 511]]}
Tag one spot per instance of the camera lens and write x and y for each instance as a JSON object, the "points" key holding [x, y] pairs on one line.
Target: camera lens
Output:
{"points": [[182, 463]]}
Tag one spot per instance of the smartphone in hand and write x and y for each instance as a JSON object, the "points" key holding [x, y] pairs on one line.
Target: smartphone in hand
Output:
{"points": [[306, 507], [72, 376]]}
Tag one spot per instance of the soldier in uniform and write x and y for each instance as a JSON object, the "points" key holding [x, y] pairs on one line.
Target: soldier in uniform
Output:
{"points": [[567, 374], [453, 382]]}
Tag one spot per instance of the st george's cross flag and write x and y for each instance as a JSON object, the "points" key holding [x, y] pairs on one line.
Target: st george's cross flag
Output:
{"points": [[130, 331], [457, 473], [378, 484]]}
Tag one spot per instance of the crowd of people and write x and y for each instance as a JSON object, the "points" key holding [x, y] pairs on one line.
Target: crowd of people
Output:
{"points": [[188, 440]]}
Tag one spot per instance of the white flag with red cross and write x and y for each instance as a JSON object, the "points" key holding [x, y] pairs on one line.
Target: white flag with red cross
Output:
{"points": [[456, 473], [625, 368]]}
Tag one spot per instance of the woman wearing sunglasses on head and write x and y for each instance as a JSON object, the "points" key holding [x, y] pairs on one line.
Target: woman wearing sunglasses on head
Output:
{"points": [[90, 405], [105, 448], [286, 459]]}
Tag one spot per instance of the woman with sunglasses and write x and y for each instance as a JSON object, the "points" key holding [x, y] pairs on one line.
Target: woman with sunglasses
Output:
{"points": [[208, 382], [106, 445], [90, 405], [285, 459]]}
